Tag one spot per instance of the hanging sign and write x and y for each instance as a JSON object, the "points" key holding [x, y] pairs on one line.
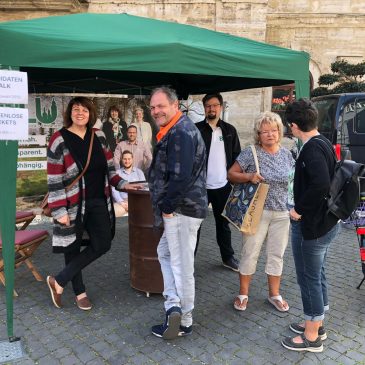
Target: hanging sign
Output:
{"points": [[13, 87], [37, 139], [13, 123], [32, 152], [31, 165]]}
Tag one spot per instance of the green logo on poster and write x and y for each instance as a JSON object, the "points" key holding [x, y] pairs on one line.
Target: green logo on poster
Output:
{"points": [[47, 116]]}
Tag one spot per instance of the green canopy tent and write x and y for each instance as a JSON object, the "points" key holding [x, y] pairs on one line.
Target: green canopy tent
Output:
{"points": [[124, 54], [120, 53]]}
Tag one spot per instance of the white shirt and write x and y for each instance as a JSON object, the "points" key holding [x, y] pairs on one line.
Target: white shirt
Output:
{"points": [[217, 162]]}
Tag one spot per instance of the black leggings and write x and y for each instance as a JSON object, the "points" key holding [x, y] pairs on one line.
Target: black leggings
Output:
{"points": [[97, 225], [218, 198]]}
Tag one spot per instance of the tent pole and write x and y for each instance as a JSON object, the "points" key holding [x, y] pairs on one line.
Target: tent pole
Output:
{"points": [[8, 168], [8, 163]]}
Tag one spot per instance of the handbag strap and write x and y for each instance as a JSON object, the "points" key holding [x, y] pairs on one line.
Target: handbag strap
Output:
{"points": [[87, 162], [253, 149]]}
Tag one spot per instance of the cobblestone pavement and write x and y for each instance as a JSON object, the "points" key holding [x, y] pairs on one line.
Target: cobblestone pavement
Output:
{"points": [[117, 329]]}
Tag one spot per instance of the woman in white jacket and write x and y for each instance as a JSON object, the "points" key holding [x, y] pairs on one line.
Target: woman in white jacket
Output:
{"points": [[144, 130]]}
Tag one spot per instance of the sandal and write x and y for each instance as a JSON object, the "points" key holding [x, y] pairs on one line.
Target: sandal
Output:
{"points": [[278, 298], [241, 298]]}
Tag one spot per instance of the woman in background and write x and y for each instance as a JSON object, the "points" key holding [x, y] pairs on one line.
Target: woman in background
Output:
{"points": [[114, 128], [144, 130]]}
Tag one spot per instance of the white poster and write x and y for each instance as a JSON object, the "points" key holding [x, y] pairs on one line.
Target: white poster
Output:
{"points": [[37, 139], [32, 152], [13, 123], [31, 165], [13, 87]]}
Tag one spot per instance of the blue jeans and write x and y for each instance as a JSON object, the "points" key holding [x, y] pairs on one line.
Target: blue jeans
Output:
{"points": [[176, 256], [309, 257]]}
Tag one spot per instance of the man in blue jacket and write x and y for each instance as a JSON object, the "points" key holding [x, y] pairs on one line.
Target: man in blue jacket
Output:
{"points": [[223, 147], [177, 183]]}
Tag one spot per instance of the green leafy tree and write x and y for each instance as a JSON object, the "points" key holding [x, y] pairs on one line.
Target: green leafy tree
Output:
{"points": [[345, 78]]}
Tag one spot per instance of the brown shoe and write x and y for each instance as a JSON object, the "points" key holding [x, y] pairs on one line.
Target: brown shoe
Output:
{"points": [[84, 303], [56, 298]]}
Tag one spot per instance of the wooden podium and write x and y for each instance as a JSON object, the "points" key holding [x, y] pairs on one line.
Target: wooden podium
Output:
{"points": [[145, 270]]}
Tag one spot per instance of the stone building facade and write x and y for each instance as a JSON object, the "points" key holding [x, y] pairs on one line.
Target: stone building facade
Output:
{"points": [[327, 29], [28, 9]]}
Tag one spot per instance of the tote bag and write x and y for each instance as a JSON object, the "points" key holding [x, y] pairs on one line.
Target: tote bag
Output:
{"points": [[245, 203]]}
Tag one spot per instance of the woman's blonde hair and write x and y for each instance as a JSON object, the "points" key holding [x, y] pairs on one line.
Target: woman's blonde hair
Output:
{"points": [[273, 119], [138, 109]]}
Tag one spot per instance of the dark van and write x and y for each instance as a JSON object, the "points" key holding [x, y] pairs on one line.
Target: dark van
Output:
{"points": [[341, 118]]}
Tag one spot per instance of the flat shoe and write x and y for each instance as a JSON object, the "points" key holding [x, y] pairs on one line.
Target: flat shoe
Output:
{"points": [[272, 300], [241, 298], [306, 345], [84, 303], [298, 328], [56, 298]]}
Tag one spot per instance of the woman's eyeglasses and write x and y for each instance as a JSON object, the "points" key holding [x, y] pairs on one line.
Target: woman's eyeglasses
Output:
{"points": [[266, 133]]}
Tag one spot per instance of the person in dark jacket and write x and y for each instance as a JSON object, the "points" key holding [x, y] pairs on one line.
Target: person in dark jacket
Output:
{"points": [[223, 147], [177, 179], [114, 128], [313, 228]]}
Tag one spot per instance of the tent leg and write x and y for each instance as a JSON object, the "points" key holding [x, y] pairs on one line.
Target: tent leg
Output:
{"points": [[8, 166], [363, 279], [14, 339]]}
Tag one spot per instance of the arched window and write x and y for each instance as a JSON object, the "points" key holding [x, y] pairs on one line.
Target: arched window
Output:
{"points": [[282, 96], [285, 94]]}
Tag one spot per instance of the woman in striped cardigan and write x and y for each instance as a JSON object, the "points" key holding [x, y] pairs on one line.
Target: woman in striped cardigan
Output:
{"points": [[86, 207]]}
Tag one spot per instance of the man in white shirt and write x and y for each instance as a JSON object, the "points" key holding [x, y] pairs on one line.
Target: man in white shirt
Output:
{"points": [[142, 156], [223, 147], [130, 173]]}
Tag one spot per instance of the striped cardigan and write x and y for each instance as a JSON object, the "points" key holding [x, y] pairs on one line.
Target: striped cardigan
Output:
{"points": [[61, 171]]}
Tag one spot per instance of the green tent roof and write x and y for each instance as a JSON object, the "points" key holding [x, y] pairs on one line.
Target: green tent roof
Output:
{"points": [[120, 53]]}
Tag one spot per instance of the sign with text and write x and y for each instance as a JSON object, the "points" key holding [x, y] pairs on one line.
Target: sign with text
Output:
{"points": [[31, 165], [13, 123], [37, 139], [13, 87], [32, 152]]}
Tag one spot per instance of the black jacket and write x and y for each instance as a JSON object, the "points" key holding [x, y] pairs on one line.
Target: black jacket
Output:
{"points": [[232, 144], [314, 170]]}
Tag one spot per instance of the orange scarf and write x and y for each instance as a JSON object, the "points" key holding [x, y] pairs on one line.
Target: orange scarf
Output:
{"points": [[163, 130]]}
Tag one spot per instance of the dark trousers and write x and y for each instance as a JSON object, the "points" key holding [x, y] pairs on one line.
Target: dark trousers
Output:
{"points": [[218, 198], [97, 225]]}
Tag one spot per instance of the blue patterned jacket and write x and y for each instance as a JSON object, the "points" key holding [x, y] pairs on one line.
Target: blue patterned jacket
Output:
{"points": [[177, 175]]}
